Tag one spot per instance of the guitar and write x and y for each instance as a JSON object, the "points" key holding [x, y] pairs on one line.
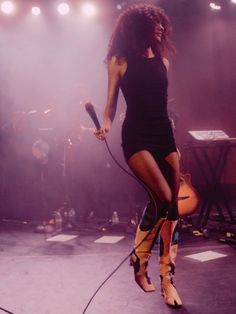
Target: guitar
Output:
{"points": [[188, 198]]}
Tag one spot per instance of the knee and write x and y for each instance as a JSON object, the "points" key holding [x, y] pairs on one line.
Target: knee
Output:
{"points": [[151, 214], [170, 206], [173, 213], [161, 204], [167, 199]]}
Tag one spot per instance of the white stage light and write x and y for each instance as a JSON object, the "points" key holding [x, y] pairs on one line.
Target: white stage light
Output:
{"points": [[63, 8], [7, 7], [36, 11], [121, 5], [214, 6], [233, 1], [89, 9]]}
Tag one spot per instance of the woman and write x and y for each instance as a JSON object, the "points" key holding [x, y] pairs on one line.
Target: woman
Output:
{"points": [[137, 65]]}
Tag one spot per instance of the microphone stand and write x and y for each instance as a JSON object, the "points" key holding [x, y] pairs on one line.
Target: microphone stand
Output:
{"points": [[66, 213], [64, 217]]}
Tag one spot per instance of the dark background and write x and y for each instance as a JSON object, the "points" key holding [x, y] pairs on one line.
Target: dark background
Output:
{"points": [[56, 63]]}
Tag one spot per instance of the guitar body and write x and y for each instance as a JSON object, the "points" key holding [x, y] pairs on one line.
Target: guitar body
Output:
{"points": [[188, 199]]}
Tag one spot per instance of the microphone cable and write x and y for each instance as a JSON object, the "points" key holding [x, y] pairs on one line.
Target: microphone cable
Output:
{"points": [[149, 192], [6, 311]]}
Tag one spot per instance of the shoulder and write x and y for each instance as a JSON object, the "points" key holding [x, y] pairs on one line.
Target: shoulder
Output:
{"points": [[166, 63], [117, 65]]}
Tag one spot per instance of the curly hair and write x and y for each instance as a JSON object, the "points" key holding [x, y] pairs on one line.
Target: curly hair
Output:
{"points": [[136, 29]]}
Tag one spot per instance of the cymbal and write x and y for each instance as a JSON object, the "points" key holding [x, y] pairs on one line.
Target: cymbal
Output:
{"points": [[41, 112]]}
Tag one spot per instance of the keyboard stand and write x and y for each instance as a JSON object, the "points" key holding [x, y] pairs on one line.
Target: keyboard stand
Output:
{"points": [[211, 171]]}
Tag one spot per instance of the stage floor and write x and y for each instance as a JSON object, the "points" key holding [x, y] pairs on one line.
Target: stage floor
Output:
{"points": [[42, 276]]}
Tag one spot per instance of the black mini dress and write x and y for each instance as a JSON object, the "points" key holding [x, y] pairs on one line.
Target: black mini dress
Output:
{"points": [[146, 125]]}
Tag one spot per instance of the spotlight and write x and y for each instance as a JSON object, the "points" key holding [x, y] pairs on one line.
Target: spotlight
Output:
{"points": [[63, 8], [233, 1], [89, 9], [121, 5], [214, 6], [7, 7], [35, 11]]}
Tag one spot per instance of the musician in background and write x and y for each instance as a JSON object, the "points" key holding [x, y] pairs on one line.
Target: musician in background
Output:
{"points": [[138, 65]]}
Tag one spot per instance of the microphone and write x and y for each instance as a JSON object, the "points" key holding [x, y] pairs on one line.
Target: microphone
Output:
{"points": [[90, 109]]}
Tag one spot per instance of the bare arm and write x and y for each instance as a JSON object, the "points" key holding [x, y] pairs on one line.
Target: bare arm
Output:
{"points": [[166, 63], [115, 72], [114, 75]]}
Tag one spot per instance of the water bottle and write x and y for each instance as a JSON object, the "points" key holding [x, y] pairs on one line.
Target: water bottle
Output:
{"points": [[58, 220], [115, 218], [72, 216]]}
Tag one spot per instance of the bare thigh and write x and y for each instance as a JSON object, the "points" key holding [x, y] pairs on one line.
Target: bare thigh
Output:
{"points": [[162, 178], [146, 168], [174, 179]]}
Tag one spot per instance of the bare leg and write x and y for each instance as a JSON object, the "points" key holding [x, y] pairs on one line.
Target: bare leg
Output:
{"points": [[146, 168], [154, 176], [169, 238], [162, 177]]}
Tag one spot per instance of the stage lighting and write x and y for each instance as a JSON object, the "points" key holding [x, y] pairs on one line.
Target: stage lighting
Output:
{"points": [[7, 7], [36, 11], [63, 8], [233, 1], [89, 9], [214, 6], [121, 5]]}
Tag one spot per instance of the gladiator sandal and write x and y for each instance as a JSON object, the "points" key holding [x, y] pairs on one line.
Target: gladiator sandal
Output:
{"points": [[144, 241], [168, 252]]}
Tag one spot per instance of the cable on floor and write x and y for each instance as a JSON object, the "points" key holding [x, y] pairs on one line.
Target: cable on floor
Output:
{"points": [[6, 311]]}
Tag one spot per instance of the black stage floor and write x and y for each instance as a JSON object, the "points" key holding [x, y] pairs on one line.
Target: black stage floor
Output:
{"points": [[38, 276]]}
